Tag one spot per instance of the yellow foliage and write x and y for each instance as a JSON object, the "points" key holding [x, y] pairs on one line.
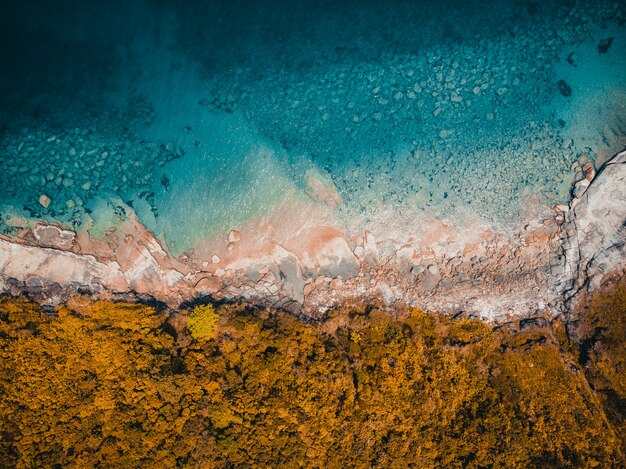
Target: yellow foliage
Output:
{"points": [[106, 384], [202, 322], [355, 337], [603, 352]]}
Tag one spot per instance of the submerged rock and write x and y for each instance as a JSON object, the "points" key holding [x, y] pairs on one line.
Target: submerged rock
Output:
{"points": [[564, 88], [54, 237], [604, 45], [44, 200]]}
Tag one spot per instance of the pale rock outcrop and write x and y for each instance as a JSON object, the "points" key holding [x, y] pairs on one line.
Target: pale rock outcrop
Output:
{"points": [[289, 271], [127, 260], [44, 200], [594, 234], [325, 250], [208, 285], [32, 268], [283, 264], [371, 255]]}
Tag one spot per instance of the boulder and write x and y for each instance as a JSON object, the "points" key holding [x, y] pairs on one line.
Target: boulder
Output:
{"points": [[325, 250], [234, 236], [52, 236], [44, 200], [371, 254]]}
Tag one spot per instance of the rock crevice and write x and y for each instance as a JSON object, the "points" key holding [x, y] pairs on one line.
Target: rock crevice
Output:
{"points": [[594, 234]]}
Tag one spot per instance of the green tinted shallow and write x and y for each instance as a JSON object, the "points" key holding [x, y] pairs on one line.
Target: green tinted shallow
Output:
{"points": [[204, 118]]}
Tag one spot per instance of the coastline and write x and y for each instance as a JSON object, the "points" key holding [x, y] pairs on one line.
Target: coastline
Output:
{"points": [[288, 262]]}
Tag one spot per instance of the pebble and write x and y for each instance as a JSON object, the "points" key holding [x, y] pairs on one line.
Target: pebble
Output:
{"points": [[234, 236], [215, 259]]}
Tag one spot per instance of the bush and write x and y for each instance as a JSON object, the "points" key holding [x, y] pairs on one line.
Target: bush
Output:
{"points": [[202, 323]]}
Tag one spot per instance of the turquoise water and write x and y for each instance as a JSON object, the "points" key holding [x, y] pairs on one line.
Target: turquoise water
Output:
{"points": [[202, 117]]}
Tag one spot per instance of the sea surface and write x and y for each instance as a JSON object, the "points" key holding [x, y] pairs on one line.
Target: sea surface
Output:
{"points": [[202, 116]]}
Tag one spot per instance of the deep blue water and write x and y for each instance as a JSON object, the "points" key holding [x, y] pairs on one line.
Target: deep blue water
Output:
{"points": [[201, 116]]}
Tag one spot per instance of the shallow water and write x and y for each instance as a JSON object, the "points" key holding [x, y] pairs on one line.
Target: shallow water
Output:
{"points": [[203, 117]]}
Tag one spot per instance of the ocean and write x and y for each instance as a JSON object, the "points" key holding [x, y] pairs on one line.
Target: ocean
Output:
{"points": [[206, 117]]}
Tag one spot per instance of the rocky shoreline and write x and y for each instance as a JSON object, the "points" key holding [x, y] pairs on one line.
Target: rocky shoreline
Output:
{"points": [[541, 268]]}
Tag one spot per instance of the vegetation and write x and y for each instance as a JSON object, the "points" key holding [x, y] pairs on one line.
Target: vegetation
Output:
{"points": [[603, 353], [121, 385], [202, 322]]}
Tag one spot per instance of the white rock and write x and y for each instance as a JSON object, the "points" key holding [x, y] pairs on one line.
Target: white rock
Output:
{"points": [[371, 254], [597, 218], [234, 236], [580, 187], [359, 252]]}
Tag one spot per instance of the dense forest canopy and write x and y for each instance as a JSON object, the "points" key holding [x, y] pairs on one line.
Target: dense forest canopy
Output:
{"points": [[123, 385]]}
